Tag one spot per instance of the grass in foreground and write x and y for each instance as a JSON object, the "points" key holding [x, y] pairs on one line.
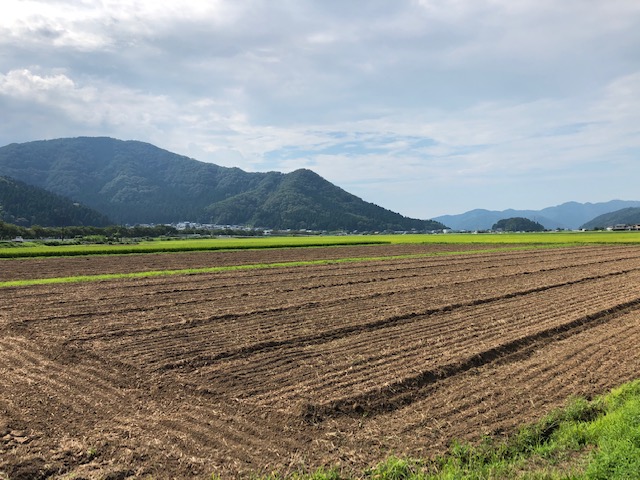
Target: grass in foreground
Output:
{"points": [[597, 439]]}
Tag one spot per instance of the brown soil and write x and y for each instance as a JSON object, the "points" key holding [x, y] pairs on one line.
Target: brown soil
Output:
{"points": [[249, 371], [29, 268]]}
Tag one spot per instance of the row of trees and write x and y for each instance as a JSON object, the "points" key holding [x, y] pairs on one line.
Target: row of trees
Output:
{"points": [[9, 231]]}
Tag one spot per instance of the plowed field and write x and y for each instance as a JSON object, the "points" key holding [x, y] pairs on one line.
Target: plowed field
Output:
{"points": [[248, 371]]}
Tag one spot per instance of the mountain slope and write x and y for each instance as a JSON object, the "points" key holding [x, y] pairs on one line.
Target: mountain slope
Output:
{"points": [[135, 182], [303, 199], [625, 216], [27, 205], [571, 215]]}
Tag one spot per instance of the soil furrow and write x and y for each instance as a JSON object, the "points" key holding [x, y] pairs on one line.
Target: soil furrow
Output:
{"points": [[403, 392], [326, 336]]}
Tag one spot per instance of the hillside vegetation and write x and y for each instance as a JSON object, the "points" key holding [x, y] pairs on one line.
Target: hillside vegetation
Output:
{"points": [[134, 182], [517, 224], [25, 205], [625, 216]]}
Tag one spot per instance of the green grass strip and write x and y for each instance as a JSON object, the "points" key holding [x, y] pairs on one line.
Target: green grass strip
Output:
{"points": [[194, 271], [178, 246]]}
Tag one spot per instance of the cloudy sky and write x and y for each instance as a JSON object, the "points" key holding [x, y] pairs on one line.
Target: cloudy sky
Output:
{"points": [[425, 107]]}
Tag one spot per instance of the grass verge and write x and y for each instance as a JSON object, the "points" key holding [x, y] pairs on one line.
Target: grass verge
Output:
{"points": [[591, 440]]}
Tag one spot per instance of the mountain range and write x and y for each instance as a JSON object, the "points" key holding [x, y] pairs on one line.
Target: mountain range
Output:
{"points": [[89, 180], [133, 182], [570, 215]]}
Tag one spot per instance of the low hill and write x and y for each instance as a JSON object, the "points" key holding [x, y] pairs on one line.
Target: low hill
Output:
{"points": [[625, 216], [25, 205], [481, 219], [135, 182], [517, 224], [571, 215]]}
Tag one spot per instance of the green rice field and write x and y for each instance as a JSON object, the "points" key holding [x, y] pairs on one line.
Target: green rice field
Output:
{"points": [[34, 249]]}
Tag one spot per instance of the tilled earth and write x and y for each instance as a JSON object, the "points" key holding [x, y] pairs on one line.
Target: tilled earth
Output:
{"points": [[252, 371], [36, 267]]}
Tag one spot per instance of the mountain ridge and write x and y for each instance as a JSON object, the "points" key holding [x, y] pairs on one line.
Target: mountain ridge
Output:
{"points": [[136, 182]]}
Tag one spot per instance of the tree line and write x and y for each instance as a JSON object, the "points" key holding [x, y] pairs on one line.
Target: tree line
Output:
{"points": [[9, 231]]}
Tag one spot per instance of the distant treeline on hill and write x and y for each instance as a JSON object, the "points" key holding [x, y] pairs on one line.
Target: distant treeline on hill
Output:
{"points": [[26, 205], [10, 231]]}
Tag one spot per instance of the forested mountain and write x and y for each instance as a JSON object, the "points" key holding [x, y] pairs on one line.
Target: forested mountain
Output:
{"points": [[517, 224], [301, 200], [134, 182], [625, 216], [26, 205], [569, 215]]}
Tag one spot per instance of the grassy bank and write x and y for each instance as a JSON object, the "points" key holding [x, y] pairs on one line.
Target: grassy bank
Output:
{"points": [[593, 440]]}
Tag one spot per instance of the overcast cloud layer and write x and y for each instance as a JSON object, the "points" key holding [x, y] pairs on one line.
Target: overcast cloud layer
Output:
{"points": [[425, 107]]}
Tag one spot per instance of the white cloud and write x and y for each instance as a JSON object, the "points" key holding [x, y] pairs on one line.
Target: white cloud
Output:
{"points": [[23, 83]]}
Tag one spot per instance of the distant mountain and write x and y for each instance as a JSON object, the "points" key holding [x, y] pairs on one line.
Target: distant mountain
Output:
{"points": [[625, 216], [571, 215], [25, 205], [135, 182]]}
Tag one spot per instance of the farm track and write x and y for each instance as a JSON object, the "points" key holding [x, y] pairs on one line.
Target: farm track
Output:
{"points": [[245, 371]]}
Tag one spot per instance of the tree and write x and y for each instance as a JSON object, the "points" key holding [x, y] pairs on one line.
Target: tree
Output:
{"points": [[38, 231], [9, 231]]}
